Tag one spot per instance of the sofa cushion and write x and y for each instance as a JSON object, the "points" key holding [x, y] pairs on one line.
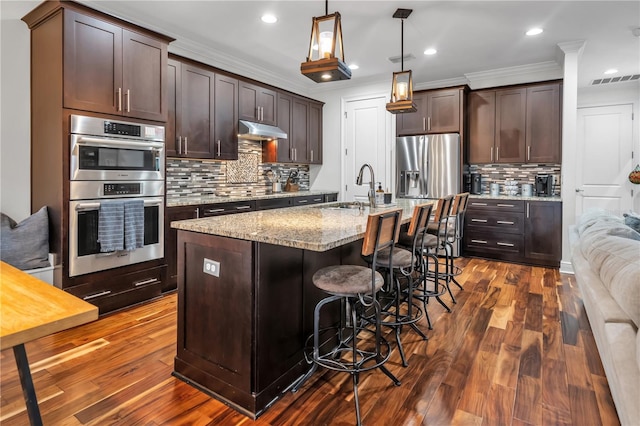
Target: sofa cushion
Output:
{"points": [[25, 245], [623, 373], [632, 220], [596, 216]]}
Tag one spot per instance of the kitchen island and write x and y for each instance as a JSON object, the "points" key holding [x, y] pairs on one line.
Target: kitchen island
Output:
{"points": [[246, 299]]}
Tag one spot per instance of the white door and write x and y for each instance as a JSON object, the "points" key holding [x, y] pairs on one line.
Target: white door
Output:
{"points": [[604, 159], [367, 141]]}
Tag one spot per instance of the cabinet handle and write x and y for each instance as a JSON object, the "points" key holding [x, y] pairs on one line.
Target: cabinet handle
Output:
{"points": [[424, 123], [318, 200], [295, 154], [428, 123], [527, 210], [505, 205], [180, 145], [214, 210], [479, 220], [243, 207], [312, 156], [497, 153], [478, 204], [479, 241], [93, 296], [528, 152], [291, 153], [504, 222], [145, 282], [186, 146], [505, 244], [302, 201], [492, 154], [128, 100], [197, 210], [119, 98], [218, 147]]}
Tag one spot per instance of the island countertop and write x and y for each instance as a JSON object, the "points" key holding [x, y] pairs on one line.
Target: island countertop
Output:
{"points": [[320, 227]]}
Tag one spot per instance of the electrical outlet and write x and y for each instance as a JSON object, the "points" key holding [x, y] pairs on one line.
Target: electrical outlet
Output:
{"points": [[211, 267]]}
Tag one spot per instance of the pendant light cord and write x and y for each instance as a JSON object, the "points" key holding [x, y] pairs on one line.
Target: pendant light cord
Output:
{"points": [[326, 7], [401, 44]]}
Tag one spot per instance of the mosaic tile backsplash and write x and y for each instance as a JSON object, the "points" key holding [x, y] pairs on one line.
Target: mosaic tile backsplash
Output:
{"points": [[523, 173], [245, 176]]}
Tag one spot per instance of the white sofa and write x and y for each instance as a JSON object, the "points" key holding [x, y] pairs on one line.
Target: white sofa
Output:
{"points": [[606, 262]]}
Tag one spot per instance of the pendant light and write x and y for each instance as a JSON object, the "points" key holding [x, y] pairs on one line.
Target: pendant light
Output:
{"points": [[402, 84], [325, 61]]}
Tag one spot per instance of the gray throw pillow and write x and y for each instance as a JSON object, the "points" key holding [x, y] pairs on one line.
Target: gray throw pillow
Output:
{"points": [[632, 221], [25, 245]]}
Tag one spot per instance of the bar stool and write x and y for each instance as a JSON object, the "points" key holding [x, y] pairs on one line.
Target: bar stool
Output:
{"points": [[425, 246], [398, 308], [440, 229], [356, 287], [455, 231]]}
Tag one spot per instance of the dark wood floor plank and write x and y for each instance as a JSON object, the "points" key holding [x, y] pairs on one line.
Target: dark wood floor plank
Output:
{"points": [[496, 359]]}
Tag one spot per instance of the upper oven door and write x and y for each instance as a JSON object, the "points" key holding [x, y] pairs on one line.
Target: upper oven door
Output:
{"points": [[105, 158]]}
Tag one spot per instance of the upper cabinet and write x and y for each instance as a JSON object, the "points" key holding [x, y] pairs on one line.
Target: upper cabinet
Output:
{"points": [[203, 117], [301, 119], [113, 70], [438, 111], [257, 103], [518, 124]]}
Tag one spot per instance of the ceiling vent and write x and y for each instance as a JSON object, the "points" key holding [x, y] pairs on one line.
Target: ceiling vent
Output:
{"points": [[621, 79], [396, 59]]}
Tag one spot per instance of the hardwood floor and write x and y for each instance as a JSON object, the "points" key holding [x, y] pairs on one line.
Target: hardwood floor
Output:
{"points": [[516, 350]]}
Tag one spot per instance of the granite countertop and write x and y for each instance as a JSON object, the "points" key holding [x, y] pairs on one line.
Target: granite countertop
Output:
{"points": [[515, 197], [213, 199], [319, 227]]}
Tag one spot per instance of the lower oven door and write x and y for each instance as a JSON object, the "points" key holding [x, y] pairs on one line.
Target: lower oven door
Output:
{"points": [[84, 248]]}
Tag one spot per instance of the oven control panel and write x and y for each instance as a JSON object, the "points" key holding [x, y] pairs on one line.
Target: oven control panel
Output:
{"points": [[113, 128], [122, 188]]}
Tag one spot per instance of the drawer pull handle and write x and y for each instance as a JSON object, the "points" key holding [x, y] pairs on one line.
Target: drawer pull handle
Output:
{"points": [[479, 204], [145, 282], [505, 205], [303, 201], [479, 220], [317, 199], [506, 244], [479, 241], [243, 207], [504, 222], [215, 210], [93, 296]]}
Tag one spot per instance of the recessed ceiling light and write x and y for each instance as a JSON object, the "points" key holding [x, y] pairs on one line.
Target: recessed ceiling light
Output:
{"points": [[611, 71], [269, 18], [326, 76], [353, 67], [534, 31], [430, 51]]}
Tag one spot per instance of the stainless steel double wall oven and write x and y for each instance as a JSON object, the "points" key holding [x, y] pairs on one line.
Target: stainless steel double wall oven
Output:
{"points": [[113, 160]]}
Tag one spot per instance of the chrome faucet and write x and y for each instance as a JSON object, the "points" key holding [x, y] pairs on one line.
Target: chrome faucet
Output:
{"points": [[372, 184]]}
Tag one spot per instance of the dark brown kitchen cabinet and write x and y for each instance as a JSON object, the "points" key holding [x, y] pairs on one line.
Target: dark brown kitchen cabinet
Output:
{"points": [[543, 232], [315, 133], [543, 124], [171, 241], [203, 119], [438, 111], [300, 130], [257, 103], [110, 69], [518, 124]]}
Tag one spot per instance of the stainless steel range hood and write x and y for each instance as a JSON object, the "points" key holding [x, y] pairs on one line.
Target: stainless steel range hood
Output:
{"points": [[259, 131]]}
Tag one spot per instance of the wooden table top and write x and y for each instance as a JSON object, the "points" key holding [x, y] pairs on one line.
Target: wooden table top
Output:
{"points": [[31, 308]]}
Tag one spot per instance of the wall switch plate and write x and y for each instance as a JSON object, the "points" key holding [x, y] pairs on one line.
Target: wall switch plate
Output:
{"points": [[211, 267]]}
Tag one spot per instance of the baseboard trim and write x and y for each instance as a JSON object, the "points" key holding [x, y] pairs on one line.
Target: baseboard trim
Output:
{"points": [[566, 267]]}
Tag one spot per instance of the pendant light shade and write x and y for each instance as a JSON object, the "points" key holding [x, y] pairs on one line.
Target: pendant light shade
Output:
{"points": [[325, 61], [402, 84]]}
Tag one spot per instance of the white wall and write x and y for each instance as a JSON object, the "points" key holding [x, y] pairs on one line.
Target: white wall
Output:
{"points": [[15, 135]]}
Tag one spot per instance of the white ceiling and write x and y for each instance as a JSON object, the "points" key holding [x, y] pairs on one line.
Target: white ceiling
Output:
{"points": [[470, 36]]}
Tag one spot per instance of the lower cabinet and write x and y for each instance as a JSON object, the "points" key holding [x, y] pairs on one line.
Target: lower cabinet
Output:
{"points": [[513, 230], [173, 214]]}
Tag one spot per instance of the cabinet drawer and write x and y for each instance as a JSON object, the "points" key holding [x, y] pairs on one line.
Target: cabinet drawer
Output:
{"points": [[273, 203], [122, 290], [501, 205], [309, 199], [490, 242], [226, 208], [507, 222]]}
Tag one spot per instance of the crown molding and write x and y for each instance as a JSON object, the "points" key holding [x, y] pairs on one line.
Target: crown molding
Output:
{"points": [[438, 84], [549, 70]]}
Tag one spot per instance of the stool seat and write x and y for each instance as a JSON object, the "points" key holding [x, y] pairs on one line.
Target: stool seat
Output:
{"points": [[401, 258], [346, 280], [406, 240]]}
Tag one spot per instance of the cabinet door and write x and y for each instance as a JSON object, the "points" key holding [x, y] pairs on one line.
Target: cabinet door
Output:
{"points": [[315, 133], [257, 103], [173, 106], [144, 77], [299, 131], [511, 107], [171, 242], [268, 102], [543, 232], [195, 122], [283, 146], [413, 123], [543, 124], [482, 126], [226, 118], [443, 108], [92, 64]]}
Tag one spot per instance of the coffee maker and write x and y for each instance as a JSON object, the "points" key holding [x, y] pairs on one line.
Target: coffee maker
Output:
{"points": [[544, 185], [476, 183]]}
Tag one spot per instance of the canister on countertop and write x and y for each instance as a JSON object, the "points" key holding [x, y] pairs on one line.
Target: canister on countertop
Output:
{"points": [[495, 189], [527, 190]]}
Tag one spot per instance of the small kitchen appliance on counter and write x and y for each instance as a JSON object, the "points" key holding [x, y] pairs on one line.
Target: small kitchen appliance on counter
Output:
{"points": [[544, 185], [476, 183]]}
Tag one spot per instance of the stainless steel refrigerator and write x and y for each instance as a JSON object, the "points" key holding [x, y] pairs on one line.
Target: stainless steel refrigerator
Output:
{"points": [[428, 166]]}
